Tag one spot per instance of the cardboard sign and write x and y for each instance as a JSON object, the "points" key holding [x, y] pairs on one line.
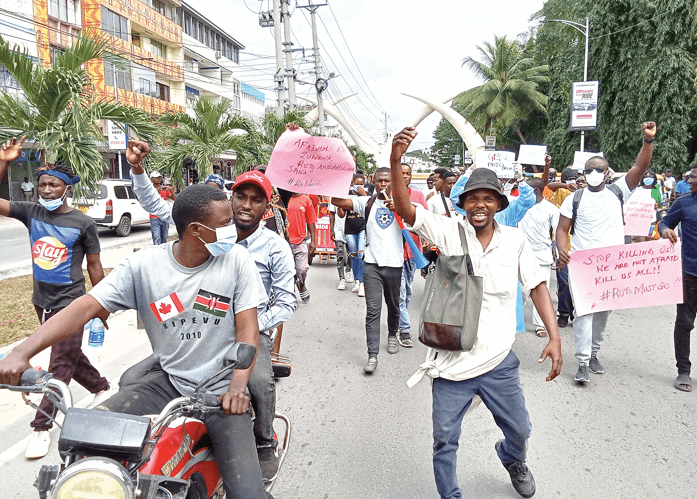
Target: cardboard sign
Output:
{"points": [[499, 161], [639, 214], [580, 159], [532, 155], [311, 165], [626, 276]]}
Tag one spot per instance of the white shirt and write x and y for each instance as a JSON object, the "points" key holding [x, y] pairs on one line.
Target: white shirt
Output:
{"points": [[339, 222], [599, 218], [507, 259], [669, 184], [536, 225], [384, 245], [435, 205], [27, 186]]}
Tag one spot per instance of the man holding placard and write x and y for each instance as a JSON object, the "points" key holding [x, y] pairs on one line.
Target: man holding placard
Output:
{"points": [[595, 220], [684, 210]]}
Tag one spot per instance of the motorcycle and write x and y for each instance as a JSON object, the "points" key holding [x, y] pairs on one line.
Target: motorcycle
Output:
{"points": [[107, 455]]}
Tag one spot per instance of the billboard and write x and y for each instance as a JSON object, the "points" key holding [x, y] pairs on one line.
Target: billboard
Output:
{"points": [[584, 106]]}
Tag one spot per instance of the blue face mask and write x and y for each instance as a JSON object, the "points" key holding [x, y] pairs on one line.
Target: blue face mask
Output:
{"points": [[53, 204], [648, 181], [226, 237]]}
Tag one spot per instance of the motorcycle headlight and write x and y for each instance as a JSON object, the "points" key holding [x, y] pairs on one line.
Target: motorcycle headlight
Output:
{"points": [[93, 478]]}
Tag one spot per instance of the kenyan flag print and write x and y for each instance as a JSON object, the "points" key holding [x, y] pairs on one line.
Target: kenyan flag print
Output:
{"points": [[211, 303]]}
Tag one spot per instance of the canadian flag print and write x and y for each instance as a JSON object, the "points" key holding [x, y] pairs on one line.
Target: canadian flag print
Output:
{"points": [[166, 307]]}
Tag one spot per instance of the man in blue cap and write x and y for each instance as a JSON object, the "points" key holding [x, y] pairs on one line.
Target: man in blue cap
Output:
{"points": [[60, 238]]}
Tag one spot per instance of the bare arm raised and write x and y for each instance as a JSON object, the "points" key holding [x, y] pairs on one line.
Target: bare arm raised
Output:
{"points": [[9, 152], [400, 192]]}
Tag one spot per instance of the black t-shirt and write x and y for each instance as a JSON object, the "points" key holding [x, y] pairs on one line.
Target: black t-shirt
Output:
{"points": [[354, 223], [59, 243]]}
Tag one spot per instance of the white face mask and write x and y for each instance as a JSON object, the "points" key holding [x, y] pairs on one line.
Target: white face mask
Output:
{"points": [[595, 178], [226, 237]]}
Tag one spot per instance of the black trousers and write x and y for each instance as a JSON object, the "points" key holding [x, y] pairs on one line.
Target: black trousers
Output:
{"points": [[378, 281], [684, 323]]}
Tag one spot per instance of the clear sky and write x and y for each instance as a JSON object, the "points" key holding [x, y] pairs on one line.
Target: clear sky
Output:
{"points": [[413, 46]]}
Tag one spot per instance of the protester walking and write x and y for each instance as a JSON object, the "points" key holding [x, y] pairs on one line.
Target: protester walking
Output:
{"points": [[302, 216]]}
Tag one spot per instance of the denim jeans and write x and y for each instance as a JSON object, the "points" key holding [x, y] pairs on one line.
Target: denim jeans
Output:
{"points": [[343, 263], [502, 393], [589, 331], [684, 323], [231, 436], [262, 389], [67, 362], [356, 245], [408, 270], [565, 305], [378, 280], [159, 230]]}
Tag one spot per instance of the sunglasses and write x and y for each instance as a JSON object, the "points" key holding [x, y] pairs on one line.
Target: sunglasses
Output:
{"points": [[598, 169]]}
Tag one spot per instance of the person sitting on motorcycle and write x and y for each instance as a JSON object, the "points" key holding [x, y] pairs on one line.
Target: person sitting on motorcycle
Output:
{"points": [[251, 198], [192, 318]]}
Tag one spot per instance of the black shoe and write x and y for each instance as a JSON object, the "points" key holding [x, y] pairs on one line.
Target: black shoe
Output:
{"points": [[563, 321], [521, 476]]}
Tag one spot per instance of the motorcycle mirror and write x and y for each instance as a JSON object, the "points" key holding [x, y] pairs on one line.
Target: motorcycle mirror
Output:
{"points": [[241, 353]]}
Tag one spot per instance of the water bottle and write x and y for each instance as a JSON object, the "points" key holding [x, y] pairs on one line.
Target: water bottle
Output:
{"points": [[96, 338]]}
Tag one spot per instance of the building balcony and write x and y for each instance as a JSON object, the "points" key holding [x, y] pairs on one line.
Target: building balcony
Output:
{"points": [[147, 18], [160, 65]]}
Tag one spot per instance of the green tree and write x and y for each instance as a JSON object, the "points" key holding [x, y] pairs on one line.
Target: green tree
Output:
{"points": [[364, 161], [510, 89], [59, 110], [213, 130]]}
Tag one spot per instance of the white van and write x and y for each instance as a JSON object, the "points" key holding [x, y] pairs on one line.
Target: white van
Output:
{"points": [[113, 205]]}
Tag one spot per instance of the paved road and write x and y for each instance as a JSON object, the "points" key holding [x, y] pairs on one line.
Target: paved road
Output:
{"points": [[628, 434]]}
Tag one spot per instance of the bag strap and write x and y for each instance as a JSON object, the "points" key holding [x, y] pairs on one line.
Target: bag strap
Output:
{"points": [[465, 248], [574, 208], [618, 192], [445, 203], [369, 206]]}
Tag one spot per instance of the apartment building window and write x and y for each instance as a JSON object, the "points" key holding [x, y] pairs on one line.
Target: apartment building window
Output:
{"points": [[163, 92], [6, 79], [156, 48], [159, 6], [65, 10], [145, 80], [114, 24], [121, 74]]}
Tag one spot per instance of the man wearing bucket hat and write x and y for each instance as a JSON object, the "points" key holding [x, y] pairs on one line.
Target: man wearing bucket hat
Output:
{"points": [[61, 238], [502, 256]]}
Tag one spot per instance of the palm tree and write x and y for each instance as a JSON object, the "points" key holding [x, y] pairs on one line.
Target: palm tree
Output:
{"points": [[510, 90], [60, 110], [213, 130]]}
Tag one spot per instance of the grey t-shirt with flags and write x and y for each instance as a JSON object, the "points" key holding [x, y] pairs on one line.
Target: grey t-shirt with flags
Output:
{"points": [[189, 314]]}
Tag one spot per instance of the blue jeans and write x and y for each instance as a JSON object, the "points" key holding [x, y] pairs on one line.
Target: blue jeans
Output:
{"points": [[408, 270], [159, 230], [565, 305], [356, 245], [501, 392]]}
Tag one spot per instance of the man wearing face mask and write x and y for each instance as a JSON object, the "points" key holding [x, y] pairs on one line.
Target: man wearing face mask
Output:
{"points": [[192, 318], [60, 238], [598, 222]]}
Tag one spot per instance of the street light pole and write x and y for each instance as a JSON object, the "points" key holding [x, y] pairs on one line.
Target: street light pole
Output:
{"points": [[580, 27]]}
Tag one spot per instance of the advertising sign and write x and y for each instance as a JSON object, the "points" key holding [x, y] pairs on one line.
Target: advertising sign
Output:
{"points": [[584, 105], [117, 139], [490, 142]]}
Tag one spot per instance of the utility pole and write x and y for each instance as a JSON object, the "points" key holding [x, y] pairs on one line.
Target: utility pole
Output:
{"points": [[320, 83], [290, 72], [280, 72]]}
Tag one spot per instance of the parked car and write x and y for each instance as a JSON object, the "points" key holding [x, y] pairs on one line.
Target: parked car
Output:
{"points": [[113, 205]]}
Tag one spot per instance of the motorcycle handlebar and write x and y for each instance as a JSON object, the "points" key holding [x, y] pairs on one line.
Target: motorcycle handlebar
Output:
{"points": [[31, 381], [209, 400]]}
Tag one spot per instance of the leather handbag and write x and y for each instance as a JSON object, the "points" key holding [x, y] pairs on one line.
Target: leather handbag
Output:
{"points": [[453, 301]]}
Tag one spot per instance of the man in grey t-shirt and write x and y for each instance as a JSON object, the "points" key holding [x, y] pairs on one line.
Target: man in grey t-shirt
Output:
{"points": [[192, 318]]}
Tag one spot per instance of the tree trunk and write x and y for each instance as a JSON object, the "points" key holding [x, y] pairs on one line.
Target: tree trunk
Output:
{"points": [[522, 139]]}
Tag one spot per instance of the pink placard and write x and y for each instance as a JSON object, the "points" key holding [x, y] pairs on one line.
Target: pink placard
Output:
{"points": [[311, 165], [626, 276], [639, 214]]}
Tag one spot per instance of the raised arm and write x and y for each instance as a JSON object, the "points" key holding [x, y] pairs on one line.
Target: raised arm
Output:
{"points": [[636, 173], [147, 195], [400, 191], [9, 152]]}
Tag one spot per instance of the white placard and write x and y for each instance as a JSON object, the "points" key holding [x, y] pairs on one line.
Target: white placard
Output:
{"points": [[490, 142], [584, 105], [580, 159], [499, 161], [117, 138], [532, 155]]}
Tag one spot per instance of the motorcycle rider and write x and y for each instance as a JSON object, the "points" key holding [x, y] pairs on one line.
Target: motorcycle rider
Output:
{"points": [[251, 198], [192, 317]]}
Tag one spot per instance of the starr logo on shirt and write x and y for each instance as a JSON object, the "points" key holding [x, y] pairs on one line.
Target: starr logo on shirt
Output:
{"points": [[166, 307]]}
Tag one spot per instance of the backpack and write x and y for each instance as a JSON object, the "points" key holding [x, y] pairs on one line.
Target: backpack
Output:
{"points": [[369, 206], [577, 200]]}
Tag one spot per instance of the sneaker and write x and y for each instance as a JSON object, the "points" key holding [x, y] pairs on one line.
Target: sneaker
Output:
{"points": [[595, 366], [38, 445], [521, 476], [361, 290], [100, 397], [404, 339], [269, 466], [583, 374], [392, 346], [563, 321], [342, 285], [371, 366], [349, 276], [356, 287]]}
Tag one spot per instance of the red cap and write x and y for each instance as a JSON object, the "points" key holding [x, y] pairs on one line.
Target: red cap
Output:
{"points": [[254, 177]]}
